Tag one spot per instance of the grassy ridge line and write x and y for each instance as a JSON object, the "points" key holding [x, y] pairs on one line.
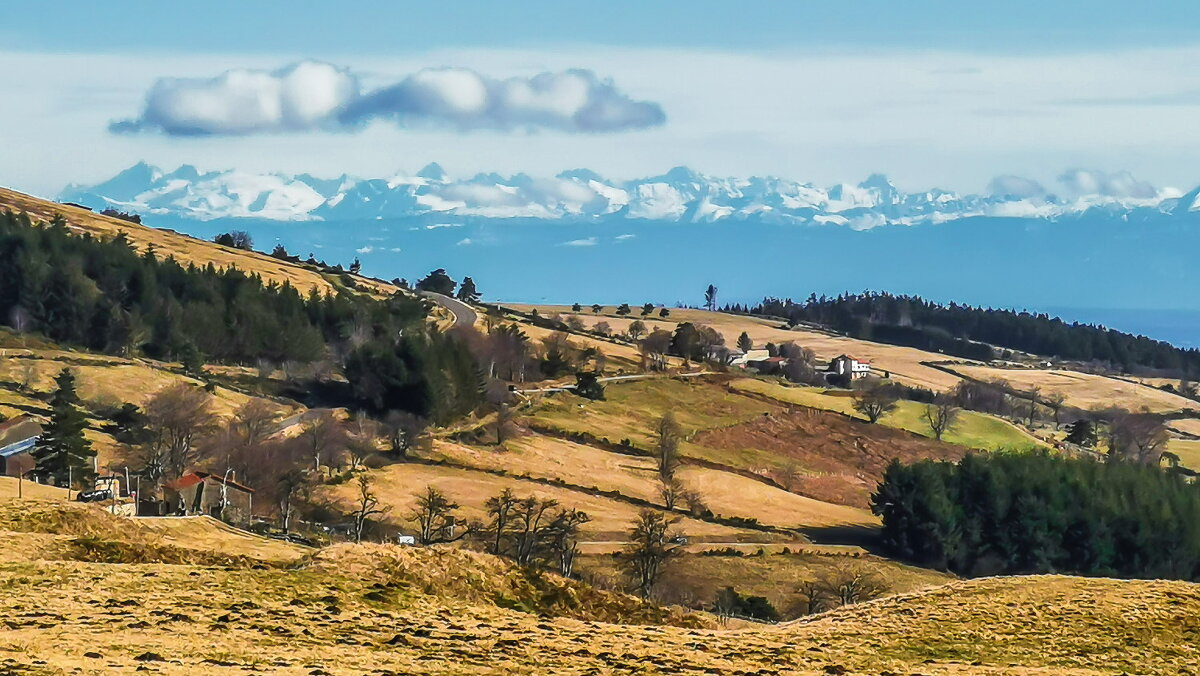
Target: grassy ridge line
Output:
{"points": [[183, 247]]}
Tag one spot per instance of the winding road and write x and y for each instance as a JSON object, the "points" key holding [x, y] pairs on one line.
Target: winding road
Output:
{"points": [[464, 315]]}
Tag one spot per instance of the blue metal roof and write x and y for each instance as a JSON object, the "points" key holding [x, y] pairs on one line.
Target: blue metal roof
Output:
{"points": [[18, 447]]}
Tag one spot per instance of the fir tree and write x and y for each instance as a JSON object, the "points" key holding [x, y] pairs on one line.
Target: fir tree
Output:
{"points": [[62, 453], [744, 343], [467, 291]]}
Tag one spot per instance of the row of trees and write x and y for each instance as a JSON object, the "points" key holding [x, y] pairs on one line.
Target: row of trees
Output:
{"points": [[623, 309], [963, 330], [1040, 513]]}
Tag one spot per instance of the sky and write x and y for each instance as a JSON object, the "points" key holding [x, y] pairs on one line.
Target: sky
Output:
{"points": [[934, 94]]}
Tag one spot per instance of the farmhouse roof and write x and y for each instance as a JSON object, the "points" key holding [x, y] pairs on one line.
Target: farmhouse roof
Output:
{"points": [[17, 434], [189, 479]]}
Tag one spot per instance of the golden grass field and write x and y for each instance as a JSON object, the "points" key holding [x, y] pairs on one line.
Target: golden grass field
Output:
{"points": [[904, 363], [10, 486], [727, 494], [382, 609], [1084, 390], [1188, 451], [1188, 425], [109, 380], [398, 487]]}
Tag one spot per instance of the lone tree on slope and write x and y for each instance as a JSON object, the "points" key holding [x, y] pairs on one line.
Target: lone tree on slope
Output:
{"points": [[876, 401]]}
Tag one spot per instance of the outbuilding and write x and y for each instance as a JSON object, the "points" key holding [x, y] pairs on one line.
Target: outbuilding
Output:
{"points": [[212, 494]]}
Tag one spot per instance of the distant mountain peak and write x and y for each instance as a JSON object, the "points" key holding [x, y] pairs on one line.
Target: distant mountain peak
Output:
{"points": [[680, 195], [433, 171]]}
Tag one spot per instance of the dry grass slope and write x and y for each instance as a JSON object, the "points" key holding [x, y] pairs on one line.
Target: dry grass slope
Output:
{"points": [[171, 243], [1085, 390], [381, 609]]}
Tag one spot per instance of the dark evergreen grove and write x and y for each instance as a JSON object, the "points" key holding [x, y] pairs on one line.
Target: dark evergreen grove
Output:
{"points": [[960, 330], [1039, 513], [103, 295]]}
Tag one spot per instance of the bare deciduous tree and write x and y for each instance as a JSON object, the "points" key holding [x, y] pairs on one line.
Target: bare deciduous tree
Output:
{"points": [[1138, 437], [1055, 401], [403, 430], [437, 520], [875, 401], [671, 491], [177, 417], [843, 585], [1033, 394], [667, 436], [289, 485], [941, 416], [256, 420], [637, 329], [323, 433], [649, 550], [367, 506], [654, 348], [500, 398]]}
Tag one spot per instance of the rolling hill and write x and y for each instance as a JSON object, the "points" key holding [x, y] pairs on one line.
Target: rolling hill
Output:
{"points": [[439, 611], [773, 464]]}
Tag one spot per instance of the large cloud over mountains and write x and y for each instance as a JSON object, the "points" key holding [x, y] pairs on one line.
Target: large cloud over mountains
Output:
{"points": [[312, 95]]}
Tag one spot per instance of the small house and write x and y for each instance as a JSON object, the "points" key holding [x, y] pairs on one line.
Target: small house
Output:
{"points": [[749, 356], [767, 366], [849, 367], [17, 439], [212, 494]]}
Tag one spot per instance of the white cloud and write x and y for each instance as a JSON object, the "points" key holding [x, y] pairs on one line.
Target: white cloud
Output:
{"points": [[303, 96], [1015, 186], [365, 250], [1096, 182], [466, 241], [589, 241], [622, 238], [312, 95]]}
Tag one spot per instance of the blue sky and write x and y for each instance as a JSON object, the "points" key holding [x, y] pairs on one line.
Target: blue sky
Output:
{"points": [[390, 27], [932, 93]]}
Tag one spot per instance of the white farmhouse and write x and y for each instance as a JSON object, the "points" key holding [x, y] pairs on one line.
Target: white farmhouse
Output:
{"points": [[845, 365]]}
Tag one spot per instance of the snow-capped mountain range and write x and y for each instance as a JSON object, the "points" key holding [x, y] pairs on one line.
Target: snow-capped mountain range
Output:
{"points": [[680, 195]]}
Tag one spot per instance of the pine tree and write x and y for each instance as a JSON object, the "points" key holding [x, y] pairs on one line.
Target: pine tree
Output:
{"points": [[1082, 433], [467, 291], [62, 453], [744, 343]]}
